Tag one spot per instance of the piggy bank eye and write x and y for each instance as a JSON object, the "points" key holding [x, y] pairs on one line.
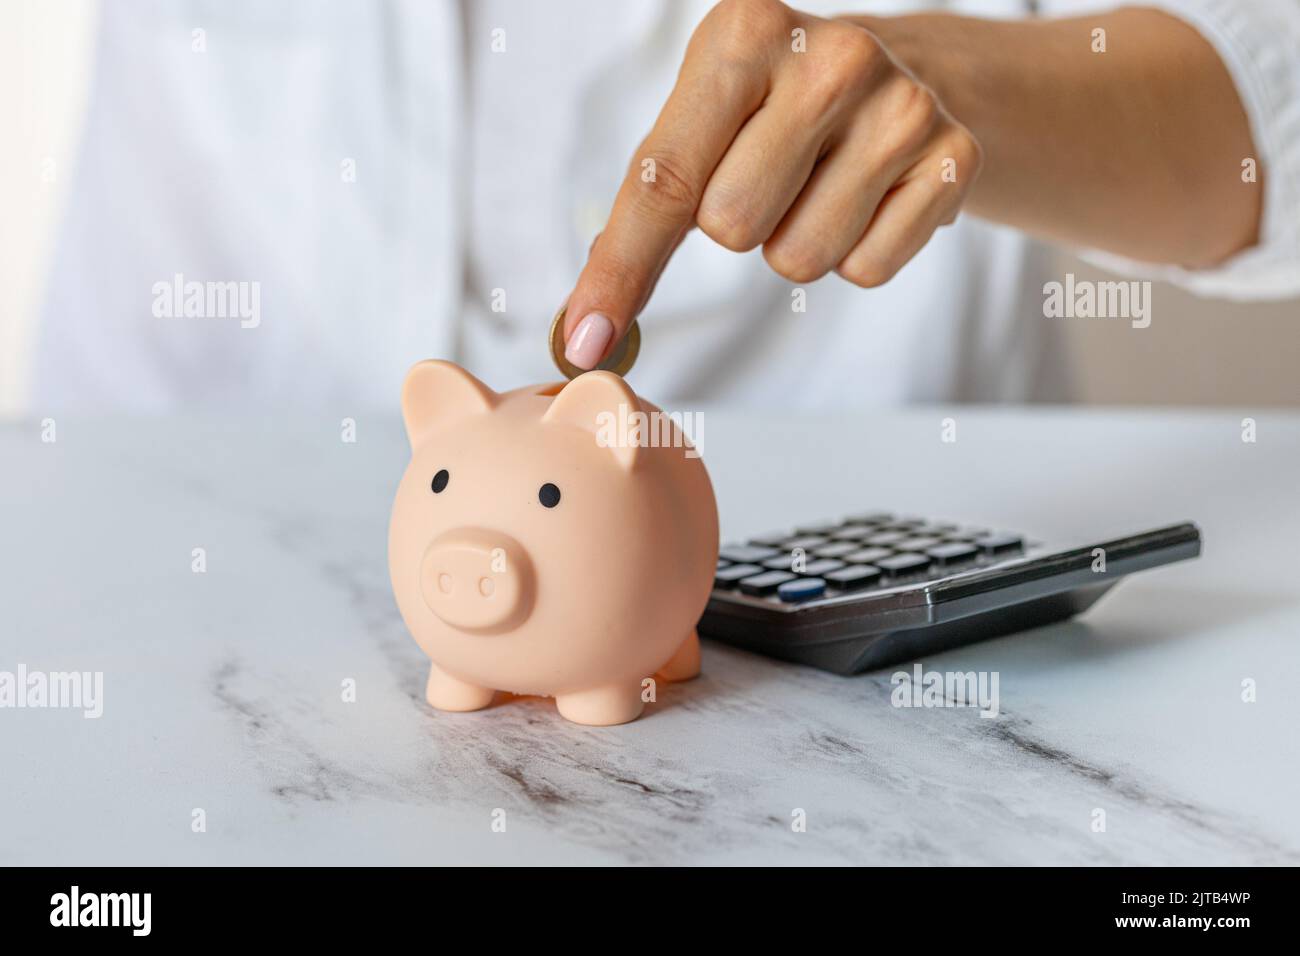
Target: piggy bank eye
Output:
{"points": [[548, 495], [440, 481]]}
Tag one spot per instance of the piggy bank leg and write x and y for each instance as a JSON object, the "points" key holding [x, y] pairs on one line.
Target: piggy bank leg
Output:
{"points": [[447, 693], [685, 662], [602, 706]]}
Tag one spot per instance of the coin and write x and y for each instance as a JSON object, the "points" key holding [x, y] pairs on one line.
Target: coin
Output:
{"points": [[619, 361]]}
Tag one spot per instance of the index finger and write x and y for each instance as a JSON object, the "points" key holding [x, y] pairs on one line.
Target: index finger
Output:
{"points": [[657, 201]]}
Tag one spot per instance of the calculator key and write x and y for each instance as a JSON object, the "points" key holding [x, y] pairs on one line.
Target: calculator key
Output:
{"points": [[729, 576], [918, 544], [770, 540], [870, 517], [868, 555], [906, 521], [747, 553], [966, 534], [853, 532], [853, 577], [765, 583], [953, 553], [814, 567], [806, 542], [803, 589], [836, 549], [887, 537], [999, 543], [722, 563], [901, 564], [822, 529], [940, 528]]}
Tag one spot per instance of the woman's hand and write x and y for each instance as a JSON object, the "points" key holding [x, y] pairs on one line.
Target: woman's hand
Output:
{"points": [[786, 131]]}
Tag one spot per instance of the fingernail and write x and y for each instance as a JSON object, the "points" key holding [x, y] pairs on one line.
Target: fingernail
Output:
{"points": [[589, 340]]}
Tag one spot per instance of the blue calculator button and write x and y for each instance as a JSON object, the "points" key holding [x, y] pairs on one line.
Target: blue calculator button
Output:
{"points": [[805, 589]]}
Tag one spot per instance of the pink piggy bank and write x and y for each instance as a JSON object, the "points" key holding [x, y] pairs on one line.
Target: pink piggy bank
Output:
{"points": [[544, 541]]}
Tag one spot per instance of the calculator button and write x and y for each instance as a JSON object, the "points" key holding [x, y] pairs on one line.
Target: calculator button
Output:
{"points": [[887, 537], [853, 577], [953, 553], [940, 528], [870, 517], [907, 521], [727, 577], [747, 553], [999, 543], [822, 529], [901, 564], [770, 540], [837, 549], [765, 583], [966, 534], [918, 544], [868, 555], [805, 541], [722, 563], [853, 532], [804, 589], [786, 563]]}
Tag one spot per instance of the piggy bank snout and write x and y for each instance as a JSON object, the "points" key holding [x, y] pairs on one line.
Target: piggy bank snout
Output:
{"points": [[477, 580]]}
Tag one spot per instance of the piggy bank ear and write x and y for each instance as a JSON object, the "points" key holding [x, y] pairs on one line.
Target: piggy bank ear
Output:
{"points": [[438, 393], [602, 403]]}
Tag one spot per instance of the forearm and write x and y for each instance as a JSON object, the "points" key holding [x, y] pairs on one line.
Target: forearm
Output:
{"points": [[1137, 150]]}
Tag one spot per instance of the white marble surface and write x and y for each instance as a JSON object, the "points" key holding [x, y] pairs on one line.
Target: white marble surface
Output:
{"points": [[222, 690]]}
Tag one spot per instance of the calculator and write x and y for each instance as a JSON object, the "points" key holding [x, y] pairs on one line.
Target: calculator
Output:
{"points": [[877, 589]]}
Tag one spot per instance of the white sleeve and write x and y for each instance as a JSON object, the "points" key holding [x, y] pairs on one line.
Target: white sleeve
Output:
{"points": [[1259, 43]]}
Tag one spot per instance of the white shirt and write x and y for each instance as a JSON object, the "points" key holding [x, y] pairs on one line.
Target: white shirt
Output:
{"points": [[487, 141]]}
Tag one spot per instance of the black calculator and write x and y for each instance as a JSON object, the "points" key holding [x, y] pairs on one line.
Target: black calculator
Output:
{"points": [[876, 589]]}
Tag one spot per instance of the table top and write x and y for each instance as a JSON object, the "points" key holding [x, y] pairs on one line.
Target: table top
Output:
{"points": [[222, 690]]}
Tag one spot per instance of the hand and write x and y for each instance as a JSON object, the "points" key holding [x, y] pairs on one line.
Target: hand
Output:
{"points": [[784, 130]]}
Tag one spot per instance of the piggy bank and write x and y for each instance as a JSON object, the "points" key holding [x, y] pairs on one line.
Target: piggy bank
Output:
{"points": [[554, 540]]}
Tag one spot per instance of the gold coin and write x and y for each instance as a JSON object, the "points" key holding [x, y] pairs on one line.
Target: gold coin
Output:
{"points": [[619, 361]]}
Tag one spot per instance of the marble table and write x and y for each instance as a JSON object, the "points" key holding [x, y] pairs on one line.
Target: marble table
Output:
{"points": [[222, 689]]}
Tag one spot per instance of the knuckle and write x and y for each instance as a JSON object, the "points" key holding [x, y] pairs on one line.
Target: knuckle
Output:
{"points": [[868, 270], [736, 28], [918, 106], [796, 261], [727, 222], [914, 115], [671, 194], [962, 158], [850, 45], [842, 65], [969, 154]]}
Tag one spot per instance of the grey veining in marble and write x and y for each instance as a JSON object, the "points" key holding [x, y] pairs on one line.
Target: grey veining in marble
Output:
{"points": [[223, 690]]}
